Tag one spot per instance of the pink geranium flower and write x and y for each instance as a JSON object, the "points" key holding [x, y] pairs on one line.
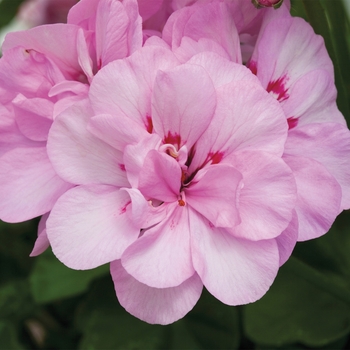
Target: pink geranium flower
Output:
{"points": [[43, 71], [293, 65], [162, 159]]}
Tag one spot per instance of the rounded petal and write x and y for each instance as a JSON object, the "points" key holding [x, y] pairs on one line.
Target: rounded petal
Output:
{"points": [[287, 239], [90, 226], [319, 197], [234, 270], [214, 193], [78, 156], [246, 118], [183, 104], [267, 197], [161, 258], [124, 87], [328, 144], [160, 177], [42, 242], [29, 185], [221, 70], [155, 305]]}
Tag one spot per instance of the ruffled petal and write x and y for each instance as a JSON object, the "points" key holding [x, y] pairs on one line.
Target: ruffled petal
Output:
{"points": [[124, 87], [161, 258], [160, 177], [78, 156], [29, 186], [234, 270], [267, 197], [214, 194], [328, 144], [182, 111], [155, 305], [319, 197], [246, 118], [287, 239], [90, 226], [42, 242]]}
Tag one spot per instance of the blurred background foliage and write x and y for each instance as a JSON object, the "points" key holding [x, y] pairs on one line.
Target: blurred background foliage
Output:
{"points": [[44, 305]]}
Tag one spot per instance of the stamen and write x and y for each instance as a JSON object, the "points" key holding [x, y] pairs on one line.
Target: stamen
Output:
{"points": [[182, 203]]}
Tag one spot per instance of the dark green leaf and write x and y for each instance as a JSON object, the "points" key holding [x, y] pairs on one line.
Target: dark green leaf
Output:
{"points": [[51, 280], [214, 324], [15, 300], [106, 325], [8, 337], [295, 310]]}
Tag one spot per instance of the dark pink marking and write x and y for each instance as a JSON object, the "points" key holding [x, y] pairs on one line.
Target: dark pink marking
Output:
{"points": [[149, 124], [278, 87], [215, 157], [123, 209], [292, 122], [122, 167], [253, 67], [174, 139]]}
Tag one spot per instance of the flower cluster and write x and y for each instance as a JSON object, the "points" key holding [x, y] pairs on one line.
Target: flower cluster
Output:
{"points": [[186, 143]]}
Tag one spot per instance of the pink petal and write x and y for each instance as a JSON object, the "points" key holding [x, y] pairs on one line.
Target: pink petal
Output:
{"points": [[54, 41], [312, 99], [289, 47], [84, 14], [33, 117], [246, 118], [155, 305], [287, 239], [80, 157], [42, 242], [124, 87], [319, 196], [189, 48], [214, 193], [234, 270], [160, 177], [268, 195], [118, 131], [211, 21], [181, 109], [148, 8], [161, 258], [328, 144], [90, 226], [29, 185], [114, 27], [221, 70], [134, 157], [143, 213]]}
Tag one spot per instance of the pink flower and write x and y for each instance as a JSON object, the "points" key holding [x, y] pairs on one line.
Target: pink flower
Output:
{"points": [[162, 159], [43, 71], [293, 65]]}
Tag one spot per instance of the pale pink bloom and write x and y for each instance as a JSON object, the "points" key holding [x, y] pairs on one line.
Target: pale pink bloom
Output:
{"points": [[293, 65], [232, 24], [43, 71], [179, 183]]}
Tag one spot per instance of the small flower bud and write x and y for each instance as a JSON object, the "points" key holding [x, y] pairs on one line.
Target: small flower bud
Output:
{"points": [[267, 3]]}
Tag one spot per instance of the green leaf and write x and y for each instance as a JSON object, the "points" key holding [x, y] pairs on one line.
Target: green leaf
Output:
{"points": [[295, 310], [15, 300], [8, 337], [51, 280], [106, 325], [214, 324]]}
